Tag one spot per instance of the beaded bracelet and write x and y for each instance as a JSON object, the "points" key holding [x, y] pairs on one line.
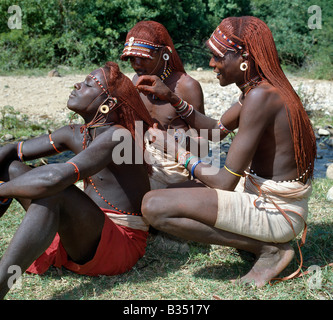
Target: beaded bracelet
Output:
{"points": [[183, 108], [4, 201], [19, 151], [182, 158], [77, 171], [188, 161], [223, 128], [193, 167], [52, 143]]}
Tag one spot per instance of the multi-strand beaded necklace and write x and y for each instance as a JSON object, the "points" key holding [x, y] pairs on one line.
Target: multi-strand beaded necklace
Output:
{"points": [[254, 82]]}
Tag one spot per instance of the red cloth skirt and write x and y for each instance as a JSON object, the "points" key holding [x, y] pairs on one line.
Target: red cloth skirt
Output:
{"points": [[118, 251]]}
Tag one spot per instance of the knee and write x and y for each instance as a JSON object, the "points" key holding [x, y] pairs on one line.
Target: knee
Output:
{"points": [[152, 208], [16, 169]]}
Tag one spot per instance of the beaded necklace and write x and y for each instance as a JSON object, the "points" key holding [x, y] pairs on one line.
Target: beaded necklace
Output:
{"points": [[254, 82], [89, 179], [166, 73], [97, 123], [109, 203]]}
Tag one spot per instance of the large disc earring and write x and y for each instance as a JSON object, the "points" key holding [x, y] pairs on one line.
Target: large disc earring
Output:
{"points": [[104, 109], [243, 66], [166, 57]]}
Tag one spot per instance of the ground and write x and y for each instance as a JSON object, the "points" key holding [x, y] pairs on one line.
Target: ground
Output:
{"points": [[46, 97]]}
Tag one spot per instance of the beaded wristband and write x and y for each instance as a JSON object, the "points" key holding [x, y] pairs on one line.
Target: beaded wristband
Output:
{"points": [[188, 161], [4, 201], [183, 108], [222, 127], [19, 151], [77, 171], [193, 167], [182, 158]]}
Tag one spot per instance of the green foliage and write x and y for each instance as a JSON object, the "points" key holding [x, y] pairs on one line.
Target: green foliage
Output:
{"points": [[297, 44], [17, 125], [84, 32]]}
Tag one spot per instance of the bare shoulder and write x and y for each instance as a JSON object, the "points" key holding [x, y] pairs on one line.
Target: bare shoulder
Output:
{"points": [[190, 90], [262, 100], [187, 82]]}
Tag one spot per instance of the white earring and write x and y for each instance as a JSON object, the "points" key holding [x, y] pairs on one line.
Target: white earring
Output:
{"points": [[243, 66], [166, 57], [104, 109]]}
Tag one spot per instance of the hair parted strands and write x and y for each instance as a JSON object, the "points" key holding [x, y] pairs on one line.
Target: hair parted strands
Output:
{"points": [[157, 34], [256, 40]]}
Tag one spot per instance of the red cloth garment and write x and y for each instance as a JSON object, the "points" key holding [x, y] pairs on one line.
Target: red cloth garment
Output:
{"points": [[118, 251]]}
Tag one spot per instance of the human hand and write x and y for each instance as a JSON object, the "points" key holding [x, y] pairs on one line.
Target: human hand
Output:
{"points": [[153, 85], [163, 140]]}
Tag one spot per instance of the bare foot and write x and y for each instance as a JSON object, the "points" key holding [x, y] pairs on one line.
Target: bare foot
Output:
{"points": [[269, 263]]}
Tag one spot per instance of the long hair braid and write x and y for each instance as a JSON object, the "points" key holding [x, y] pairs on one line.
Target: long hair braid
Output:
{"points": [[257, 42]]}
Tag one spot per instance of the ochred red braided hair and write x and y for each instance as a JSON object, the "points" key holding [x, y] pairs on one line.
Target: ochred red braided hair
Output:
{"points": [[157, 34], [256, 39], [130, 107]]}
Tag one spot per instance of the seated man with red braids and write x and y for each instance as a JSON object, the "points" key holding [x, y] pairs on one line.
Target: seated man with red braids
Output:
{"points": [[258, 201], [98, 231], [151, 51]]}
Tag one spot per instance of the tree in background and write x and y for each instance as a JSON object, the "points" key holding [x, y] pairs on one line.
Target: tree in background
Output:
{"points": [[84, 32]]}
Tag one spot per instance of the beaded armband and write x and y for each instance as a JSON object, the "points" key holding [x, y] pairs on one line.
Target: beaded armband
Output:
{"points": [[223, 128], [52, 143]]}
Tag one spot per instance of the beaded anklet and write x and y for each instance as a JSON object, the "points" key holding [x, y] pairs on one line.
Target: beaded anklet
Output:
{"points": [[110, 204]]}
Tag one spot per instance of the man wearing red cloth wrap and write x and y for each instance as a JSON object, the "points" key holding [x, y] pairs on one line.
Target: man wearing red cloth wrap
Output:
{"points": [[99, 230]]}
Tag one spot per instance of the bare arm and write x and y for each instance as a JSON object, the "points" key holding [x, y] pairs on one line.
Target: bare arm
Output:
{"points": [[50, 179], [197, 120], [256, 115]]}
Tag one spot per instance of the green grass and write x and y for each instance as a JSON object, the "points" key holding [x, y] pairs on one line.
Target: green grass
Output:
{"points": [[203, 273]]}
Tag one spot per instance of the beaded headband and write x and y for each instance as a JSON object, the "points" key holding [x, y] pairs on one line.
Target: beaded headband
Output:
{"points": [[219, 39], [102, 87], [139, 48]]}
